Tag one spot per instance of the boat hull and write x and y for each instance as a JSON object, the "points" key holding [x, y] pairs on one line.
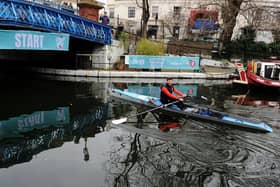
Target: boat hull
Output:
{"points": [[253, 79]]}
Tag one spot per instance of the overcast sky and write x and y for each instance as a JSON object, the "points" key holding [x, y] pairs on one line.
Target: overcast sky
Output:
{"points": [[104, 1]]}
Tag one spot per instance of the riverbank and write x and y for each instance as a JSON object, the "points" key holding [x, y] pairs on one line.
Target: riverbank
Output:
{"points": [[130, 74]]}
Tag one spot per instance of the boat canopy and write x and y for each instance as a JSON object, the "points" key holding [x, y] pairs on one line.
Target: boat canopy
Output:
{"points": [[268, 70]]}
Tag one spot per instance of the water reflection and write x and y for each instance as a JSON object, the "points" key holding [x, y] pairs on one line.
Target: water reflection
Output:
{"points": [[251, 100], [150, 153], [258, 105], [19, 143], [193, 158], [198, 154]]}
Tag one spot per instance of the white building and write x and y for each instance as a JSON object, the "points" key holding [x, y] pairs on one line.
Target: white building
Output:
{"points": [[263, 15], [172, 15]]}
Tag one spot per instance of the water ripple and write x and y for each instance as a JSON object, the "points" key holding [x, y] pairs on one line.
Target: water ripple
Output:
{"points": [[204, 154]]}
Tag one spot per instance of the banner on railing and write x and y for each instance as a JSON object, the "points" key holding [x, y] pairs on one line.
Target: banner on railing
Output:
{"points": [[162, 62], [33, 40]]}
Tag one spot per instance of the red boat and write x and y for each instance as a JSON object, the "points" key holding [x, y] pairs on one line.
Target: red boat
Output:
{"points": [[260, 74]]}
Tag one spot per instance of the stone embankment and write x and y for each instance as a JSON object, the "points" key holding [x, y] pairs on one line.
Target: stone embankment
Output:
{"points": [[132, 74]]}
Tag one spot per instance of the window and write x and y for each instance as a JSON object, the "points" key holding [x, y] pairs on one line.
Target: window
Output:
{"points": [[177, 10], [111, 12], [176, 32], [131, 12], [154, 11]]}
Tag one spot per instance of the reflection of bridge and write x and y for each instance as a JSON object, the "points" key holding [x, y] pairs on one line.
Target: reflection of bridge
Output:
{"points": [[18, 13], [18, 145]]}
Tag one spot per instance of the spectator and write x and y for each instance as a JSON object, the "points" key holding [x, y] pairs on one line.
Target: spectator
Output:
{"points": [[105, 19], [70, 5]]}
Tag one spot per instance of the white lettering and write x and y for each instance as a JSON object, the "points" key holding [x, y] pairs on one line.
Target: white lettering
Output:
{"points": [[36, 41], [29, 41], [60, 116], [32, 41], [30, 121], [18, 41], [41, 41], [23, 40], [20, 124], [42, 117]]}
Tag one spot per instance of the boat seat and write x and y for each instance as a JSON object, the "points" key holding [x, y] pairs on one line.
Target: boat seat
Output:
{"points": [[191, 109], [155, 101]]}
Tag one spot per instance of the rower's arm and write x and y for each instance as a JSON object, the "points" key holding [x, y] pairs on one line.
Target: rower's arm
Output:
{"points": [[178, 92], [166, 92]]}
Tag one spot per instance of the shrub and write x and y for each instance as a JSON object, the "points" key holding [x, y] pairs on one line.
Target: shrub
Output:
{"points": [[147, 47], [124, 39], [252, 50]]}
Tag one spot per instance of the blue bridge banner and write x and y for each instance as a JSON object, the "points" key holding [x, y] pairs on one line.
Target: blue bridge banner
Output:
{"points": [[33, 40], [162, 62]]}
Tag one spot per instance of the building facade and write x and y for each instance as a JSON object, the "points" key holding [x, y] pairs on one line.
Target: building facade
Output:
{"points": [[172, 17], [169, 17], [263, 16]]}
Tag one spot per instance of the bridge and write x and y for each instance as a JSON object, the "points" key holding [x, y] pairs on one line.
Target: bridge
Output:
{"points": [[31, 15]]}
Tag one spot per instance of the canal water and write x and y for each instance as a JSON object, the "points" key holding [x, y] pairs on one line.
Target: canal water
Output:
{"points": [[57, 131]]}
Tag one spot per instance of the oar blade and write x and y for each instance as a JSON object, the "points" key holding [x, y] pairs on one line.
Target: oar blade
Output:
{"points": [[119, 121]]}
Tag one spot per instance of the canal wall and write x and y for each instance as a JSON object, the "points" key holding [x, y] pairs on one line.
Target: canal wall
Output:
{"points": [[102, 57], [129, 74]]}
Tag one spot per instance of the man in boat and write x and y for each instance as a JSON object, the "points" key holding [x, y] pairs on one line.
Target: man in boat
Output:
{"points": [[166, 94]]}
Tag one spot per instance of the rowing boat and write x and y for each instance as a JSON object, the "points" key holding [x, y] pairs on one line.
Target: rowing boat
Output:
{"points": [[192, 111]]}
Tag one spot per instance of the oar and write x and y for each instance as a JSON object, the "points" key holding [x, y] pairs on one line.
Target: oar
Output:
{"points": [[123, 120]]}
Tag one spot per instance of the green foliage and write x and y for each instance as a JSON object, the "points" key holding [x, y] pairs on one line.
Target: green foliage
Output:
{"points": [[124, 39], [248, 34], [147, 47], [252, 50], [245, 47]]}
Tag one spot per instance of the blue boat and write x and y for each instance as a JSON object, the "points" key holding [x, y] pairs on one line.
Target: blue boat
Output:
{"points": [[192, 111]]}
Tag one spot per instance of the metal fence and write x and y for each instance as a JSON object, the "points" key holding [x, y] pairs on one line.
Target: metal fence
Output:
{"points": [[53, 4]]}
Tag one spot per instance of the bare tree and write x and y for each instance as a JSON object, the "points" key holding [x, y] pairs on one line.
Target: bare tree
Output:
{"points": [[145, 16], [229, 12], [261, 16], [256, 14], [171, 19]]}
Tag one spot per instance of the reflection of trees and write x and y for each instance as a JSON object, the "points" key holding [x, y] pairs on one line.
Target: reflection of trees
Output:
{"points": [[120, 109], [189, 159], [150, 162], [129, 162]]}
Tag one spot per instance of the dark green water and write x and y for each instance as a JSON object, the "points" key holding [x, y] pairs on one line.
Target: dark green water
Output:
{"points": [[58, 133]]}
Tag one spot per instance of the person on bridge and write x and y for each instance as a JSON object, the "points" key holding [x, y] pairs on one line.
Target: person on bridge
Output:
{"points": [[105, 19], [166, 94]]}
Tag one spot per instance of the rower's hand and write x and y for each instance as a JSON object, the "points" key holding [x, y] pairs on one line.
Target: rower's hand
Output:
{"points": [[164, 106], [185, 97]]}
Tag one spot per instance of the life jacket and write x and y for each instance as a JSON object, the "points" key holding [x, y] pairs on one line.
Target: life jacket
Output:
{"points": [[163, 97]]}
